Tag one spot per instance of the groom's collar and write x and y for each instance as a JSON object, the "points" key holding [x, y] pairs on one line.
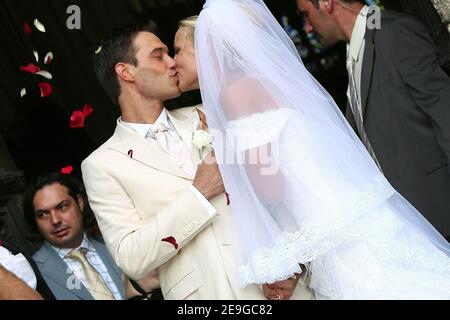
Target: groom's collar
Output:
{"points": [[142, 128]]}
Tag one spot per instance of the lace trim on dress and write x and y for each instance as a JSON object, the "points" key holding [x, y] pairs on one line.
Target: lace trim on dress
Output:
{"points": [[268, 265]]}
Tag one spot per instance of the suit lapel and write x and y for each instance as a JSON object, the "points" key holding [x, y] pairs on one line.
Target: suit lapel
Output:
{"points": [[54, 268], [367, 67], [185, 127], [131, 145]]}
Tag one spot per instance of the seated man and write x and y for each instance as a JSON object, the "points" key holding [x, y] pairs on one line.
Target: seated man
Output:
{"points": [[74, 265]]}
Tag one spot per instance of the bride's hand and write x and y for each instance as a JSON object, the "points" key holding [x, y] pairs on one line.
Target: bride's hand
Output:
{"points": [[281, 290]]}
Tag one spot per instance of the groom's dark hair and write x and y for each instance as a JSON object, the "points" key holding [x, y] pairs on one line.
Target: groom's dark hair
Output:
{"points": [[118, 47]]}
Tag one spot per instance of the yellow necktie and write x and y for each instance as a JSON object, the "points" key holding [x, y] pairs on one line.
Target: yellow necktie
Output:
{"points": [[96, 285]]}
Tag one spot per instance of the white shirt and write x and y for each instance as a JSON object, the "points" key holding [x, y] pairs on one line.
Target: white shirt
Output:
{"points": [[355, 49], [143, 129], [18, 265], [95, 261]]}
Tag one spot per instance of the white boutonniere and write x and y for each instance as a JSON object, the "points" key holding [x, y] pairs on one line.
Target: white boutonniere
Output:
{"points": [[201, 139]]}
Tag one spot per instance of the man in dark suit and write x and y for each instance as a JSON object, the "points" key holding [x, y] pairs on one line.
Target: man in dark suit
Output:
{"points": [[75, 266], [399, 97]]}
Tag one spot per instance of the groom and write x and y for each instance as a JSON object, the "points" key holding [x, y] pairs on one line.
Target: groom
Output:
{"points": [[156, 209], [399, 98]]}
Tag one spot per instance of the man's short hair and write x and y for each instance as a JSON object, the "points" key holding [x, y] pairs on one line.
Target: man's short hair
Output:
{"points": [[74, 188], [118, 47]]}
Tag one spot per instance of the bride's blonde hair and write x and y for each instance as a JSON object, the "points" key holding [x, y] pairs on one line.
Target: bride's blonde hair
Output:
{"points": [[189, 23]]}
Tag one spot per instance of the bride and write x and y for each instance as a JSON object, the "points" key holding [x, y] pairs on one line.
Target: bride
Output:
{"points": [[302, 187]]}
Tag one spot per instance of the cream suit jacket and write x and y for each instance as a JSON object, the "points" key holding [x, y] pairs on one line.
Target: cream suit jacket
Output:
{"points": [[150, 220]]}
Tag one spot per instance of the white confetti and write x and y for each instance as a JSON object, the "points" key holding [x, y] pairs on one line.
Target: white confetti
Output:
{"points": [[36, 55], [39, 25], [48, 58], [45, 74]]}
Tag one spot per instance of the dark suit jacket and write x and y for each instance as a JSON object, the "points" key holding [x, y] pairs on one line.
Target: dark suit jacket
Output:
{"points": [[406, 108], [55, 272]]}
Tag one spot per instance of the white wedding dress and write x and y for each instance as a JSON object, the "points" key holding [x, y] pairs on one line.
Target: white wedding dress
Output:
{"points": [[320, 199], [358, 246]]}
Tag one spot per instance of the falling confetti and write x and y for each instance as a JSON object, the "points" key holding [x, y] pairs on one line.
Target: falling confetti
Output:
{"points": [[67, 170], [45, 74], [46, 89], [48, 58], [31, 68], [39, 25], [36, 55], [78, 118], [26, 28]]}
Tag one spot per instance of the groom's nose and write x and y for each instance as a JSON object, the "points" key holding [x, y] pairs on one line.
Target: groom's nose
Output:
{"points": [[170, 62]]}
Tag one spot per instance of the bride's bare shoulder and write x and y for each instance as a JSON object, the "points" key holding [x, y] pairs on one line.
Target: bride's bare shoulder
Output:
{"points": [[245, 96]]}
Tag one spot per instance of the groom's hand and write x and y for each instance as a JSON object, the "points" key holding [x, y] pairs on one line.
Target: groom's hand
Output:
{"points": [[281, 290], [208, 180]]}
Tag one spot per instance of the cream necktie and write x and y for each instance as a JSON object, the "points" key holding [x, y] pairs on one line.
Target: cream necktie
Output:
{"points": [[161, 134], [174, 146], [96, 285]]}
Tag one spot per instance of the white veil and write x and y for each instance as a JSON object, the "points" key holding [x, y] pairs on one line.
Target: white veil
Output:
{"points": [[320, 183]]}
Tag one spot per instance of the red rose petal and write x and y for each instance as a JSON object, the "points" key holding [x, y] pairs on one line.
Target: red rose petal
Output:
{"points": [[67, 170], [31, 68], [77, 120], [26, 28], [172, 241], [228, 199], [87, 110], [46, 89], [130, 154]]}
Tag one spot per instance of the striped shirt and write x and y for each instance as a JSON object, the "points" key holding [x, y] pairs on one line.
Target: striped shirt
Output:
{"points": [[94, 259]]}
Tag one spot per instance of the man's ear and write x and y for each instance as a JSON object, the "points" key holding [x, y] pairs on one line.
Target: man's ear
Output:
{"points": [[327, 5], [125, 71]]}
